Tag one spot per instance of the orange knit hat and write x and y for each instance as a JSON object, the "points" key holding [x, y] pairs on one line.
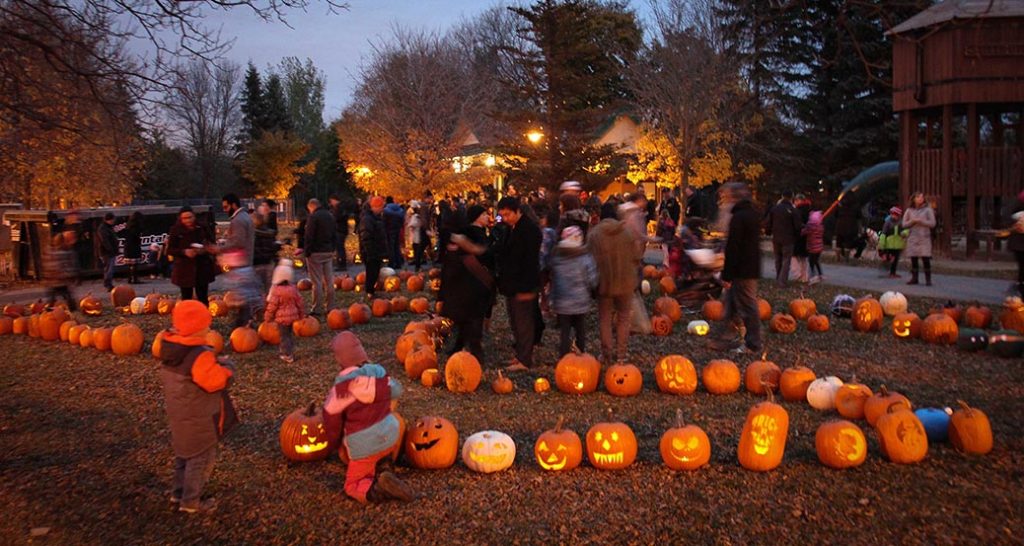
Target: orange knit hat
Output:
{"points": [[376, 202], [190, 317]]}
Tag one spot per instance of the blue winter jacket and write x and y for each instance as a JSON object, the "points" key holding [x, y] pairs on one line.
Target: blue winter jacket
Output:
{"points": [[573, 278]]}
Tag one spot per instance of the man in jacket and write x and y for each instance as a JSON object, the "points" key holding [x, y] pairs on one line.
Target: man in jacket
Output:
{"points": [[617, 256], [784, 225], [519, 278], [320, 244], [106, 249], [741, 271], [372, 241], [236, 254], [340, 213]]}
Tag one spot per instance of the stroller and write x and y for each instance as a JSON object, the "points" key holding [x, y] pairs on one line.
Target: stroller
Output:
{"points": [[701, 281]]}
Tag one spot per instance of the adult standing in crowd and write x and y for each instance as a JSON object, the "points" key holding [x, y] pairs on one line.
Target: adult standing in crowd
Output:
{"points": [[340, 213], [394, 223], [268, 208], [519, 278], [416, 227], [466, 288], [264, 256], [193, 269], [372, 241], [133, 246], [320, 240], [919, 219], [800, 253], [847, 225], [617, 257], [784, 226], [236, 255], [1016, 242], [741, 271], [106, 249]]}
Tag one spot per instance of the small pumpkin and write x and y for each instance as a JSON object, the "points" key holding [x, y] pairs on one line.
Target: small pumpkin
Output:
{"points": [[432, 443], [901, 437], [668, 307], [764, 309], [462, 372], [7, 325], [399, 304], [684, 447], [802, 308], [782, 323], [166, 305], [14, 310], [940, 329], [307, 327], [850, 399], [978, 316], [541, 385], [359, 313], [409, 341], [338, 319], [675, 374], [380, 307], [414, 283], [667, 285], [558, 449], [431, 378], [953, 310], [420, 359], [893, 303], [502, 385], [840, 444], [794, 381], [867, 315], [661, 325], [817, 323], [970, 431], [877, 404], [74, 333], [488, 451], [102, 338], [698, 327], [821, 393], [419, 306], [302, 436], [151, 303], [215, 341], [304, 285], [577, 373], [721, 377], [763, 439], [126, 339], [49, 325], [244, 339], [761, 375], [65, 328], [906, 326], [713, 310], [645, 287], [611, 446], [623, 380]]}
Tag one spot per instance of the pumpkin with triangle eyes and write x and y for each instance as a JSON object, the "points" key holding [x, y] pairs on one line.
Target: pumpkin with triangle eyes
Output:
{"points": [[559, 448], [488, 451], [684, 447], [432, 443], [303, 436]]}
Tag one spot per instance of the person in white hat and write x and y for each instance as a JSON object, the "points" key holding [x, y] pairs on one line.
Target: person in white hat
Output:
{"points": [[284, 306], [570, 186]]}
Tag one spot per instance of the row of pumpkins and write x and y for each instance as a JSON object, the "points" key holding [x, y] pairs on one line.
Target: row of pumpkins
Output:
{"points": [[57, 324], [389, 281]]}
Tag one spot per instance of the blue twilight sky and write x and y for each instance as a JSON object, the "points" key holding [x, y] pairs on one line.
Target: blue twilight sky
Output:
{"points": [[337, 43]]}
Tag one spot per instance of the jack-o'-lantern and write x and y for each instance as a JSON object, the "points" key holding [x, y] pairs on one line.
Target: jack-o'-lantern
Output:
{"points": [[434, 285], [392, 284], [611, 446], [151, 303], [893, 303], [541, 385], [970, 431], [762, 375], [713, 310], [1011, 316], [782, 323], [623, 380], [972, 339], [215, 341], [409, 341], [431, 378], [906, 325], [953, 310], [122, 295], [763, 439], [901, 437], [419, 306], [126, 339], [307, 327], [802, 308], [420, 359], [462, 372], [558, 449], [502, 385], [577, 373], [940, 329], [91, 305], [840, 444], [669, 307], [667, 285], [764, 309], [102, 338], [166, 305], [488, 451], [698, 327], [684, 447], [303, 436], [675, 374], [304, 285], [432, 443], [381, 308], [399, 304], [721, 377], [794, 381], [270, 333], [821, 393], [817, 323], [218, 307], [876, 404], [137, 306], [244, 339], [850, 399], [661, 325], [359, 313], [867, 315], [414, 283], [337, 319]]}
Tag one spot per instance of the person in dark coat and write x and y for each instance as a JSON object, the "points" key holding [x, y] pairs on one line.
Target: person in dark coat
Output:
{"points": [[193, 268], [741, 271], [372, 241], [321, 243], [394, 224], [784, 226], [467, 286], [847, 225], [264, 253], [800, 253], [107, 249], [340, 213], [519, 278]]}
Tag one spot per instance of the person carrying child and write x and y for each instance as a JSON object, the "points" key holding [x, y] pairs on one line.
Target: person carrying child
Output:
{"points": [[199, 410], [573, 280], [357, 414], [284, 306]]}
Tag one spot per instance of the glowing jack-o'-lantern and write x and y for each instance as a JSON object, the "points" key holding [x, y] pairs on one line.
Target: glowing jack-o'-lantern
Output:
{"points": [[302, 436], [763, 440], [488, 451], [840, 444], [675, 374], [901, 436], [392, 284], [541, 385], [559, 448], [611, 446], [906, 325], [91, 305], [432, 443], [577, 373], [685, 447], [867, 315], [698, 327], [623, 380]]}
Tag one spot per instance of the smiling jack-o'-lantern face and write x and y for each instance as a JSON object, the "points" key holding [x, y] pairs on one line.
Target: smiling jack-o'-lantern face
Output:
{"points": [[432, 443], [675, 374], [611, 446], [685, 447], [303, 437], [906, 325], [558, 449], [623, 380], [762, 431], [840, 444], [489, 451]]}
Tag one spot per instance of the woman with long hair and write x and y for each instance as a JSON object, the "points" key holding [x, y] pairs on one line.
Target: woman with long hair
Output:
{"points": [[919, 219]]}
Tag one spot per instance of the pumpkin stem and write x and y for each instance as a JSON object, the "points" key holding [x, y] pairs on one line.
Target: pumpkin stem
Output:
{"points": [[311, 410], [764, 355], [884, 391], [499, 375], [680, 423], [768, 388], [964, 405], [558, 425]]}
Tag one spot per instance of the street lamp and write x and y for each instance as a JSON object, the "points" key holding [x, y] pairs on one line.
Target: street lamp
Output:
{"points": [[534, 136]]}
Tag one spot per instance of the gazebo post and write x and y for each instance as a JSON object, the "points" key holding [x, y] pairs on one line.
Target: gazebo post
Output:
{"points": [[946, 197], [908, 142], [972, 167]]}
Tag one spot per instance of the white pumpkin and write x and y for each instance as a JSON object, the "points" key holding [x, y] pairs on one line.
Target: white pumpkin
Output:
{"points": [[893, 303], [821, 394], [137, 306], [386, 272], [645, 287], [488, 451], [698, 327]]}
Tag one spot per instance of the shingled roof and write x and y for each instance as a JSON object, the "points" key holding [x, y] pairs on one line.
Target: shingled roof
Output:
{"points": [[961, 9]]}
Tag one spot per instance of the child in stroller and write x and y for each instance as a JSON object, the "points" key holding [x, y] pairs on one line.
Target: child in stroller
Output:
{"points": [[694, 263]]}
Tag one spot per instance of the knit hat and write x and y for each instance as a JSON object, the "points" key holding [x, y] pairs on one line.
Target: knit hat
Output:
{"points": [[572, 237], [896, 211], [348, 350], [474, 212], [376, 202], [283, 272], [570, 185], [190, 317]]}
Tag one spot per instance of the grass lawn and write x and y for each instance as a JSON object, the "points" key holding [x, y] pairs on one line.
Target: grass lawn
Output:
{"points": [[84, 451]]}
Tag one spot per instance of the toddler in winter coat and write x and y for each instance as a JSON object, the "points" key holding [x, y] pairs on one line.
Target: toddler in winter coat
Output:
{"points": [[199, 411], [814, 230], [284, 306], [358, 413], [573, 279]]}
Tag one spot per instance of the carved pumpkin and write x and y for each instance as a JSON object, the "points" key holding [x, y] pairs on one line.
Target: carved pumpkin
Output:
{"points": [[1006, 343], [935, 422], [244, 339], [867, 315], [761, 375], [91, 305], [850, 399], [102, 338], [698, 327], [878, 403], [488, 451], [381, 307], [151, 303], [1012, 315], [684, 447], [462, 372], [721, 377], [763, 440], [541, 385], [713, 310], [977, 316], [901, 437], [431, 378], [558, 449], [502, 385], [667, 285], [432, 443], [893, 303], [940, 329], [420, 359], [970, 431], [782, 323], [623, 380], [218, 307], [840, 444], [304, 285], [122, 295], [303, 436], [419, 305], [392, 284], [817, 323], [434, 285], [359, 313], [953, 311], [675, 374], [414, 283], [337, 319], [802, 308], [794, 381], [166, 306], [821, 393], [906, 325], [215, 341], [307, 327], [764, 309], [611, 446], [409, 341], [972, 339], [661, 325], [126, 340], [669, 307], [577, 373]]}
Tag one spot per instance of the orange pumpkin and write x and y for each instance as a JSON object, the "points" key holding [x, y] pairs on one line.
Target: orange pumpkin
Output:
{"points": [[337, 319], [215, 341], [399, 304], [64, 328], [713, 310], [782, 323], [684, 447], [840, 444], [33, 325], [851, 398], [669, 307], [432, 443], [7, 325], [623, 380], [304, 285], [817, 323], [360, 279], [721, 377], [906, 325], [802, 308], [763, 440], [244, 339], [85, 339], [359, 313], [74, 333], [270, 333], [49, 325], [577, 373], [419, 305], [675, 374], [434, 273], [419, 359], [970, 431], [166, 306], [126, 339], [410, 341], [668, 285], [611, 446], [218, 307], [381, 307], [122, 295], [157, 344], [867, 315], [414, 283], [764, 309], [462, 372], [431, 378], [1012, 315], [901, 436], [307, 327], [878, 403], [348, 284], [650, 272], [502, 385], [762, 375], [558, 449], [14, 310], [940, 329], [19, 325], [794, 381], [977, 316], [102, 338], [661, 325], [953, 311]]}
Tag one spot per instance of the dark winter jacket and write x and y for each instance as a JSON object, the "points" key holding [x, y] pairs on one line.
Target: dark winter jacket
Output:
{"points": [[265, 247], [804, 211], [199, 410], [478, 236], [519, 262], [133, 242], [372, 238], [742, 249], [340, 214], [617, 257], [320, 233], [189, 272], [394, 221], [847, 223], [465, 295], [784, 223], [573, 278], [106, 241]]}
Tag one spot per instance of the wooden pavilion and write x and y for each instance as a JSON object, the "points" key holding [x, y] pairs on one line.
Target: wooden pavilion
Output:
{"points": [[958, 88]]}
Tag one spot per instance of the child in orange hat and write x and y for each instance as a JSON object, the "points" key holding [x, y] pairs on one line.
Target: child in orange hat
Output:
{"points": [[199, 410]]}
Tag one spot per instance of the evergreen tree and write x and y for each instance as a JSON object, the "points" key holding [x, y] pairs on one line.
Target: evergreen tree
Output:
{"points": [[275, 106], [304, 93], [251, 105]]}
